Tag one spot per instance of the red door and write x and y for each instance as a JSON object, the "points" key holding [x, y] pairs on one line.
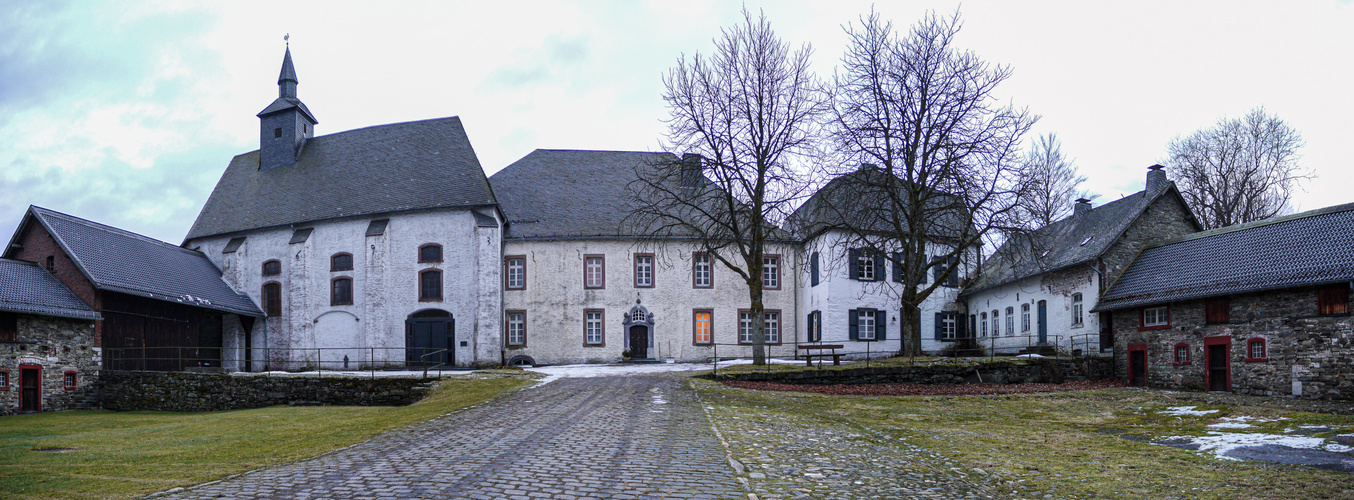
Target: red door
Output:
{"points": [[30, 388]]}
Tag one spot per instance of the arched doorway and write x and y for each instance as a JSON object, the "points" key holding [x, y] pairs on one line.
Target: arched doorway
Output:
{"points": [[638, 331], [430, 338]]}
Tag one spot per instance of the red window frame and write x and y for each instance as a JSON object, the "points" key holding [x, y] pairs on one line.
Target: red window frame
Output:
{"points": [[507, 328], [424, 292], [70, 379], [1179, 360], [1250, 351], [601, 259], [4, 380], [507, 266], [334, 299], [1142, 314], [1223, 340], [425, 246]]}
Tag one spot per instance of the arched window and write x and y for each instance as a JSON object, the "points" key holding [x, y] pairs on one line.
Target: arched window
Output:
{"points": [[341, 262], [272, 268], [430, 285], [1025, 318], [1182, 354], [1256, 350], [341, 292], [1010, 320], [431, 252], [272, 299]]}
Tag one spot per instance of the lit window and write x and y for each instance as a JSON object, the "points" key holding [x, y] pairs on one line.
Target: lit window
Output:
{"points": [[430, 285], [702, 333], [1256, 349], [771, 271], [1025, 318], [700, 271], [1155, 317], [815, 327], [594, 271], [272, 268], [341, 262], [517, 328], [643, 270], [517, 273], [341, 292], [592, 327], [70, 380], [272, 299], [431, 252], [1182, 354], [1076, 309]]}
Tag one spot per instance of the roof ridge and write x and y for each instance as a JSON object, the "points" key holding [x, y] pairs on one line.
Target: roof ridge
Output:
{"points": [[108, 228], [369, 127], [1235, 228]]}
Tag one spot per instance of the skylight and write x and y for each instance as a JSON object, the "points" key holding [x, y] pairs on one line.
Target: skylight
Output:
{"points": [[1087, 240]]}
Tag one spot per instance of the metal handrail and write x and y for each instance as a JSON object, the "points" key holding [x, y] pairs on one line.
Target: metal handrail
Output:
{"points": [[424, 359]]}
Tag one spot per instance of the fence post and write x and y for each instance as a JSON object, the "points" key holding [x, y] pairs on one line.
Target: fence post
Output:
{"points": [[319, 362], [716, 369], [372, 366]]}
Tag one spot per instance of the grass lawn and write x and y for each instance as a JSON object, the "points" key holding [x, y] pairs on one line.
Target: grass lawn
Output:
{"points": [[130, 454], [1090, 444]]}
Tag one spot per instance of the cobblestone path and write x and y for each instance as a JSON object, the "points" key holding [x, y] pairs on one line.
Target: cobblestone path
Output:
{"points": [[614, 437], [784, 452]]}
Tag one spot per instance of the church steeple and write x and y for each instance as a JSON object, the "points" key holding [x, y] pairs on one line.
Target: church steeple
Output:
{"points": [[286, 124]]}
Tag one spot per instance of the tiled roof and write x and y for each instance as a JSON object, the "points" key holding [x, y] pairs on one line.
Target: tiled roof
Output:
{"points": [[1310, 248], [125, 262], [561, 194], [389, 168], [844, 201], [29, 289], [1074, 240]]}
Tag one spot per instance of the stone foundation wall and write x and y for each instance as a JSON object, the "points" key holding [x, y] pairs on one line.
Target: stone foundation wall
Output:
{"points": [[1307, 353], [184, 391], [1052, 371]]}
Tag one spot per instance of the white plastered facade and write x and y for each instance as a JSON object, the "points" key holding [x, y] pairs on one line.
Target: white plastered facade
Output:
{"points": [[1057, 290]]}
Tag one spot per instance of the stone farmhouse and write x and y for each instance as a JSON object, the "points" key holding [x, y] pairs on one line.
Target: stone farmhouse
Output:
{"points": [[1260, 308], [1039, 289], [48, 350]]}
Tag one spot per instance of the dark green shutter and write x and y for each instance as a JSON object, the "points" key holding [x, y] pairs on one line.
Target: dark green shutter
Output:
{"points": [[852, 268], [808, 329], [940, 330], [953, 280], [879, 267], [961, 326], [881, 323], [813, 267], [898, 267], [854, 324], [940, 267]]}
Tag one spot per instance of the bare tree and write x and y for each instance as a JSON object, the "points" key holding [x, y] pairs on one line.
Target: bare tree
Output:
{"points": [[941, 152], [1052, 183], [1240, 170], [742, 117]]}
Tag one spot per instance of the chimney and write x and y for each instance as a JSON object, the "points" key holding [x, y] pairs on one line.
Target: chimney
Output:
{"points": [[692, 169], [1083, 205], [1156, 179]]}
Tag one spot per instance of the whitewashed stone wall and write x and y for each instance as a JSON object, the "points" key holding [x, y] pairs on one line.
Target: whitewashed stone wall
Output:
{"points": [[385, 288], [836, 294], [1056, 290], [554, 300]]}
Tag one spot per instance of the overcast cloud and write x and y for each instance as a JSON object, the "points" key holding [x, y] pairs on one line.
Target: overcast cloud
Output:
{"points": [[126, 113]]}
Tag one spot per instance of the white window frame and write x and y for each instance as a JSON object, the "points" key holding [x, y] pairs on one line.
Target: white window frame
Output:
{"points": [[996, 323], [517, 328], [594, 271], [745, 327], [1010, 320], [982, 320], [949, 325], [772, 325], [1077, 309], [863, 327], [1025, 318], [865, 270], [644, 271], [592, 327], [771, 272], [517, 276], [1156, 316], [702, 276]]}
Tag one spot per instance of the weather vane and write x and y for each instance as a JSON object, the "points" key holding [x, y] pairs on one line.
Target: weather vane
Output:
{"points": [[287, 38]]}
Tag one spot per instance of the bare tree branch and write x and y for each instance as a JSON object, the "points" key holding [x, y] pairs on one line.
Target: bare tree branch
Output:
{"points": [[1051, 185]]}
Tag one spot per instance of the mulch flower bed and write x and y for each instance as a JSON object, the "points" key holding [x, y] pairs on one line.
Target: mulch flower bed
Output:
{"points": [[926, 389]]}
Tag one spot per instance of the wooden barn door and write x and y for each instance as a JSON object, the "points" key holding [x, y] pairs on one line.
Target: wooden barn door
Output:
{"points": [[30, 388], [1218, 363]]}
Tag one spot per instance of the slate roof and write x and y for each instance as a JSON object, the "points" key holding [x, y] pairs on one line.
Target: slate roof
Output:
{"points": [[1310, 248], [30, 289], [563, 194], [1068, 242], [844, 201], [383, 169], [125, 262]]}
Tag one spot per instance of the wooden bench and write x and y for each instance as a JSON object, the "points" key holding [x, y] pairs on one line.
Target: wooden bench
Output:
{"points": [[809, 352]]}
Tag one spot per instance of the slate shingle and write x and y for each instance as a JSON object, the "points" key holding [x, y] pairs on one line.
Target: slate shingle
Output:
{"points": [[30, 289], [1310, 248], [389, 168]]}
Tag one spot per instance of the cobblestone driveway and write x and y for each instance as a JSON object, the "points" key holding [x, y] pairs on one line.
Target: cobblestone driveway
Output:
{"points": [[613, 437]]}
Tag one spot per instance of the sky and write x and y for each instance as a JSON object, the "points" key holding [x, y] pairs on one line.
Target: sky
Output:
{"points": [[128, 112]]}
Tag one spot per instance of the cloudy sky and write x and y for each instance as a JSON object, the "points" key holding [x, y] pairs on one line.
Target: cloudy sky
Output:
{"points": [[127, 112]]}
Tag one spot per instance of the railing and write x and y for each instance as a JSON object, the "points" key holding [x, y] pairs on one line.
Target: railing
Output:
{"points": [[269, 359]]}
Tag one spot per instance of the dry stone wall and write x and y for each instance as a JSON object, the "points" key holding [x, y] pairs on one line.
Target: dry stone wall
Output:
{"points": [[184, 391]]}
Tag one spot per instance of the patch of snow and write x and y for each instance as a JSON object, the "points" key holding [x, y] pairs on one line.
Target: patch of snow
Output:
{"points": [[1030, 355], [1339, 448], [1181, 411], [1220, 443], [658, 396], [365, 374], [1235, 422], [623, 370]]}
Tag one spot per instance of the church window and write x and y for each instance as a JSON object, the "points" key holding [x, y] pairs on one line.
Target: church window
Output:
{"points": [[771, 272], [517, 328], [341, 292], [272, 268], [516, 274], [594, 327], [431, 252], [272, 299], [703, 332], [644, 270], [594, 271], [701, 271], [341, 262], [813, 269], [1010, 321], [1025, 318], [430, 285]]}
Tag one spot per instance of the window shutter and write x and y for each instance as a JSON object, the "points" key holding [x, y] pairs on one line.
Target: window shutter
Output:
{"points": [[940, 330], [959, 325], [808, 329], [854, 324], [898, 267], [935, 271], [881, 323], [879, 267], [852, 268], [922, 258], [813, 268]]}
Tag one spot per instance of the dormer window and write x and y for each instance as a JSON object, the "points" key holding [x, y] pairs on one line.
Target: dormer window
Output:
{"points": [[277, 133]]}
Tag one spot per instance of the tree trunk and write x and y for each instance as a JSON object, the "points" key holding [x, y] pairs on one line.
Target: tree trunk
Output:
{"points": [[911, 326], [758, 320]]}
